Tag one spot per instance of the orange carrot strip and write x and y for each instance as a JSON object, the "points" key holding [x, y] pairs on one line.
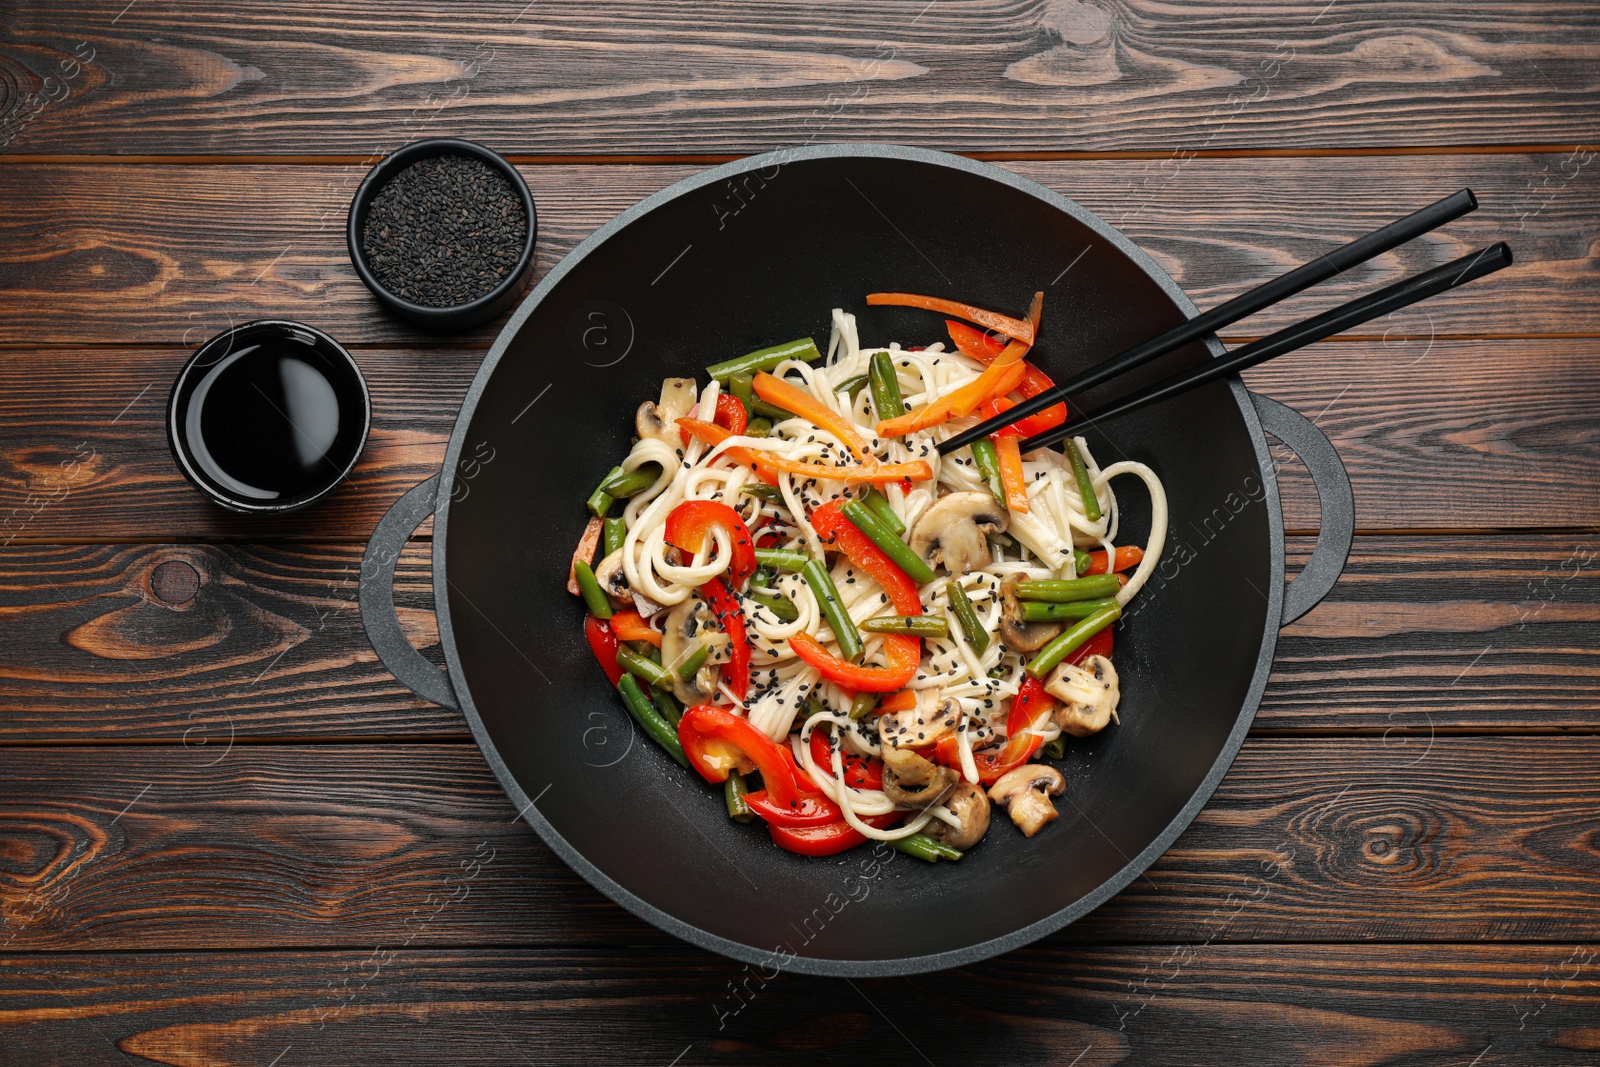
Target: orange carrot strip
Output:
{"points": [[774, 390], [584, 551], [630, 626], [904, 700], [1008, 451], [1017, 329], [1128, 557], [769, 466]]}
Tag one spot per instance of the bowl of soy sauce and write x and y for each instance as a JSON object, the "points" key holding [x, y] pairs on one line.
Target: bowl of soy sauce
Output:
{"points": [[269, 416]]}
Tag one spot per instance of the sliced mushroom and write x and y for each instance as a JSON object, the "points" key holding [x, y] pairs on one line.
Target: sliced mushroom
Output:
{"points": [[955, 531], [1088, 694], [910, 779], [1019, 635], [690, 625], [1025, 794], [659, 419], [614, 579], [969, 804], [934, 717]]}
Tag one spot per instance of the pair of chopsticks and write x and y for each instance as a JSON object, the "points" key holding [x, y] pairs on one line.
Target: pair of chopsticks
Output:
{"points": [[1374, 305]]}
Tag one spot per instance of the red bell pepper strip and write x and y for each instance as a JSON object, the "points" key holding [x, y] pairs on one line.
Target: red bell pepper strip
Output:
{"points": [[1030, 709], [730, 415], [829, 839], [731, 618], [1098, 645], [690, 523], [630, 626], [715, 738], [1017, 329], [904, 653], [1127, 557], [904, 700], [984, 348], [603, 643], [813, 810], [858, 773]]}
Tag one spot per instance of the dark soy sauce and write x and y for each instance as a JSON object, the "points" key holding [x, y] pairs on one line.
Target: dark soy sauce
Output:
{"points": [[274, 421]]}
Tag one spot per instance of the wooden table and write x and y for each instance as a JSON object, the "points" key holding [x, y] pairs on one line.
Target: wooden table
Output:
{"points": [[227, 836]]}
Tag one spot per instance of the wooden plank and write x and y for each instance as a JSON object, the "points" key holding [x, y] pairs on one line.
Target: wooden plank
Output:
{"points": [[1429, 443], [172, 255], [106, 643], [300, 77], [1307, 840], [1128, 1004]]}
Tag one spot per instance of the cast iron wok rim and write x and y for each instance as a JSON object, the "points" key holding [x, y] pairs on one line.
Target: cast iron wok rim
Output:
{"points": [[841, 968]]}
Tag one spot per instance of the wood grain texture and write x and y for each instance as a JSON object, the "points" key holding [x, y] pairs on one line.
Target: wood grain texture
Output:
{"points": [[1422, 635], [301, 77], [1308, 840], [1429, 442], [171, 255], [1055, 1006]]}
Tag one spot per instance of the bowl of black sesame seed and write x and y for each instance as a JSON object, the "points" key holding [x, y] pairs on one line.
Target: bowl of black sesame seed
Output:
{"points": [[442, 232]]}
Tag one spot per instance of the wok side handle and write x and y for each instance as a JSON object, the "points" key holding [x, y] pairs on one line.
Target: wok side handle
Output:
{"points": [[1333, 492], [378, 614]]}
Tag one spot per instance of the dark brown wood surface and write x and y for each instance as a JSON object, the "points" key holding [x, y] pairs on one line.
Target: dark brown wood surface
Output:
{"points": [[225, 829]]}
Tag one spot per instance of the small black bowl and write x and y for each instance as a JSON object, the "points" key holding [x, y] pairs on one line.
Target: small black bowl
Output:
{"points": [[460, 316], [268, 417]]}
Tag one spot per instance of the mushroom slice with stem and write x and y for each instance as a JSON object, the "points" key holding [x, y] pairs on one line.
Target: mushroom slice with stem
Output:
{"points": [[1088, 694], [1025, 794], [934, 717], [689, 626], [1018, 635], [910, 779], [659, 418], [970, 805], [613, 578], [955, 530]]}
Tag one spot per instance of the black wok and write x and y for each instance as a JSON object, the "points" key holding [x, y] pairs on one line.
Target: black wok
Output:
{"points": [[757, 252]]}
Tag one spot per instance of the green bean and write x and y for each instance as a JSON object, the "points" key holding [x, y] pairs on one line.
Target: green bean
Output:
{"points": [[920, 846], [884, 510], [760, 428], [1091, 503], [614, 532], [733, 793], [768, 411], [593, 595], [971, 628], [645, 714], [647, 650], [862, 704], [852, 386], [1081, 562], [692, 662], [765, 359], [912, 625], [763, 578], [599, 503], [886, 399], [1055, 748], [944, 850], [998, 671], [778, 604], [783, 559], [987, 461], [667, 705], [862, 518], [651, 672], [833, 610], [620, 483], [1067, 642], [762, 491], [1064, 589], [739, 385], [1045, 611]]}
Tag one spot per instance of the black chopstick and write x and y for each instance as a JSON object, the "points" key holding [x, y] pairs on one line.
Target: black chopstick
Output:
{"points": [[1302, 277], [1373, 305]]}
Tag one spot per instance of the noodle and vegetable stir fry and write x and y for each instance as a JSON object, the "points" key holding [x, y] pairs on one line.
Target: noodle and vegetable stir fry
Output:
{"points": [[786, 580]]}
